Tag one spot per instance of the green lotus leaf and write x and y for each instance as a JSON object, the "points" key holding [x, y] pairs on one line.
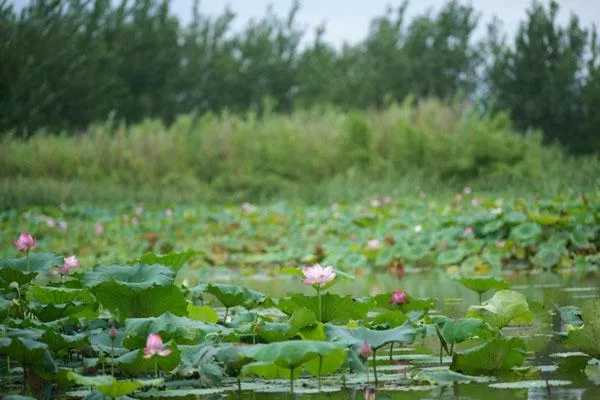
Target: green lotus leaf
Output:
{"points": [[183, 330], [292, 353], [133, 363], [493, 357], [334, 307], [136, 291], [29, 353], [482, 284], [59, 295], [504, 308], [457, 331], [199, 360], [23, 269], [411, 303], [587, 337], [173, 260], [526, 234], [202, 313], [232, 295], [453, 256], [355, 337]]}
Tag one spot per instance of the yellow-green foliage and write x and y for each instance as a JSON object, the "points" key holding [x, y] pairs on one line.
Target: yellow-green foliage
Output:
{"points": [[260, 157]]}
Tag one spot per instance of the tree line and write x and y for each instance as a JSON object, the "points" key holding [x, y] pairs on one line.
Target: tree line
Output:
{"points": [[67, 63]]}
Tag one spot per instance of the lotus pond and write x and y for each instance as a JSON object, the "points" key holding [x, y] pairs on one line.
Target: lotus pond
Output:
{"points": [[437, 299]]}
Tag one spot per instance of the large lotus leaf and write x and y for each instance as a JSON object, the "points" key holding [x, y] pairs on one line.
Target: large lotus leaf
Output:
{"points": [[269, 370], [109, 386], [411, 303], [333, 307], [127, 302], [30, 353], [199, 360], [326, 364], [452, 256], [61, 344], [202, 313], [4, 307], [404, 334], [183, 330], [548, 258], [54, 312], [492, 226], [482, 284], [292, 353], [134, 363], [457, 331], [22, 270], [587, 338], [526, 234], [490, 358], [278, 331], [232, 295], [505, 307], [173, 260], [515, 217], [389, 319], [139, 276], [444, 376], [59, 295], [103, 343]]}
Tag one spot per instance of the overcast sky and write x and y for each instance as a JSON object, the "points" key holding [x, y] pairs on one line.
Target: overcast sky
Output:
{"points": [[348, 20]]}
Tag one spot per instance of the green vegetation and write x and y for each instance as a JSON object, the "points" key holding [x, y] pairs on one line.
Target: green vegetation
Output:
{"points": [[319, 156], [70, 63]]}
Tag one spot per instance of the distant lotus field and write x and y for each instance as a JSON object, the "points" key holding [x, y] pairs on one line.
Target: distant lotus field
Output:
{"points": [[251, 301]]}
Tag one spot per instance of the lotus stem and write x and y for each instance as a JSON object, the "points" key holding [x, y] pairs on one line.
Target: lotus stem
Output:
{"points": [[480, 298], [320, 369], [112, 359], [8, 374], [374, 367], [292, 380], [226, 314], [156, 367], [27, 255], [391, 350], [319, 296], [451, 348], [441, 354]]}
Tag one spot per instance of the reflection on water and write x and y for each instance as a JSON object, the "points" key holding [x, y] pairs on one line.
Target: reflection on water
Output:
{"points": [[545, 288]]}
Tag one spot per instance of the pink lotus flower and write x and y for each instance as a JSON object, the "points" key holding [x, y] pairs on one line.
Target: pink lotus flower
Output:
{"points": [[474, 202], [317, 275], [374, 244], [99, 229], [63, 225], [112, 333], [370, 393], [169, 212], [366, 350], [467, 190], [25, 242], [398, 297], [469, 231], [376, 203], [68, 264], [154, 346]]}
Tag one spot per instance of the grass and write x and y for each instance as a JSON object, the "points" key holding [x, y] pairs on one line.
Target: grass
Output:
{"points": [[312, 156]]}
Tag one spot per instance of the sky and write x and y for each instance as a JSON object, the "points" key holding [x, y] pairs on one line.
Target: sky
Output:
{"points": [[348, 20]]}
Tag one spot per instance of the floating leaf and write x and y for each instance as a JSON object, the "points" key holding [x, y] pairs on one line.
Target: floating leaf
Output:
{"points": [[526, 234], [404, 334], [490, 358], [504, 308]]}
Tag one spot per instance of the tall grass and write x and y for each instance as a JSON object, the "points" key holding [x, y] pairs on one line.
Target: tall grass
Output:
{"points": [[315, 155]]}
